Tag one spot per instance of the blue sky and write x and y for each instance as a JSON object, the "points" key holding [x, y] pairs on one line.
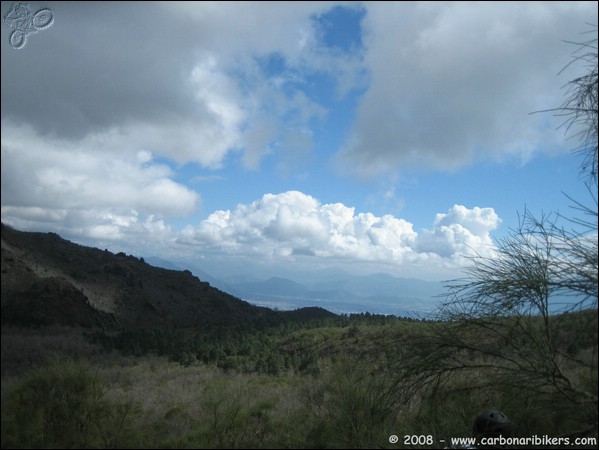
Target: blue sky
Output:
{"points": [[372, 136]]}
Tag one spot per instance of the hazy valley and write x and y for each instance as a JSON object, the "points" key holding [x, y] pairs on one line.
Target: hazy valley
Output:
{"points": [[335, 290]]}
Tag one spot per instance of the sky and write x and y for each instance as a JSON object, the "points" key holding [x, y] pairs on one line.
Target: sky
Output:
{"points": [[398, 137]]}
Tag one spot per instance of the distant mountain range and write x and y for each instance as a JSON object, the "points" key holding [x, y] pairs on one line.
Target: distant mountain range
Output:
{"points": [[334, 289], [377, 293]]}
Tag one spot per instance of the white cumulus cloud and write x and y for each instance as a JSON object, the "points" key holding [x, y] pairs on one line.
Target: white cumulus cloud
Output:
{"points": [[296, 224], [49, 183], [455, 82], [460, 232]]}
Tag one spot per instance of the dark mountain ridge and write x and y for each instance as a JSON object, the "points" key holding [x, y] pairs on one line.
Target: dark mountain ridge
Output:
{"points": [[49, 280]]}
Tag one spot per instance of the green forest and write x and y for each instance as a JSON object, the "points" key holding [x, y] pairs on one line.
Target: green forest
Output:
{"points": [[341, 382]]}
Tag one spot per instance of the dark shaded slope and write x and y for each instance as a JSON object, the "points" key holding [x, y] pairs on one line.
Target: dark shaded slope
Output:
{"points": [[49, 280]]}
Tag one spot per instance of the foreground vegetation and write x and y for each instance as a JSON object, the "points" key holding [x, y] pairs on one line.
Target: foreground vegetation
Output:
{"points": [[336, 383]]}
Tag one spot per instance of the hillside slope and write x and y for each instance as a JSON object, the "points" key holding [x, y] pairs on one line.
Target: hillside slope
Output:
{"points": [[49, 280]]}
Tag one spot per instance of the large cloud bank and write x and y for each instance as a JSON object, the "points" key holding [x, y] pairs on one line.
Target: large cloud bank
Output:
{"points": [[101, 110], [296, 224]]}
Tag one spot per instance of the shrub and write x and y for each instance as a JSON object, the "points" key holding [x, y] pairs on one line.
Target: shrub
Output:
{"points": [[62, 405]]}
